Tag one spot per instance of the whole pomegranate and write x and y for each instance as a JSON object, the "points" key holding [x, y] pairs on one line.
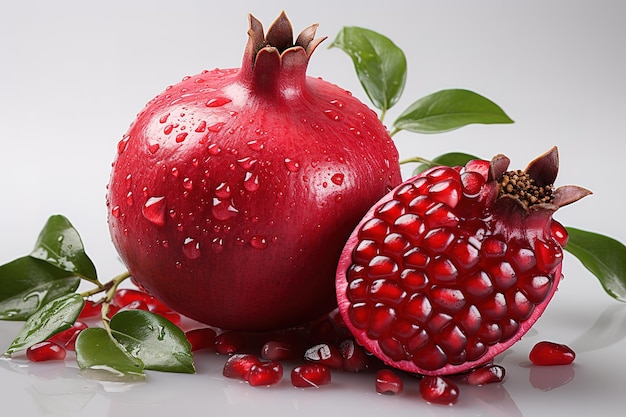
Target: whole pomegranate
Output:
{"points": [[234, 191], [454, 265]]}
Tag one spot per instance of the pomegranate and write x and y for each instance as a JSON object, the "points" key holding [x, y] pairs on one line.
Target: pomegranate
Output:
{"points": [[454, 265], [233, 192]]}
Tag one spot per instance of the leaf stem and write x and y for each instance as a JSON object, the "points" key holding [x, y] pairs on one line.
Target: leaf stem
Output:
{"points": [[417, 159], [110, 293], [394, 131]]}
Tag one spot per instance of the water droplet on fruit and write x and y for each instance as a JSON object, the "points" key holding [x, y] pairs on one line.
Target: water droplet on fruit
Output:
{"points": [[121, 145], [292, 165], [163, 118], [251, 182], [175, 172], [258, 242], [115, 212], [222, 191], [223, 209], [256, 145], [217, 244], [218, 101], [337, 179], [216, 127], [337, 103], [181, 137], [168, 129], [129, 198], [201, 127], [247, 162], [154, 210], [214, 149], [188, 184], [332, 114], [191, 248], [153, 148]]}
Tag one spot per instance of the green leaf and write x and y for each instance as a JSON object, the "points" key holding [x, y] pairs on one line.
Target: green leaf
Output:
{"points": [[605, 257], [27, 283], [98, 352], [379, 63], [448, 110], [60, 245], [161, 345], [450, 159], [57, 315]]}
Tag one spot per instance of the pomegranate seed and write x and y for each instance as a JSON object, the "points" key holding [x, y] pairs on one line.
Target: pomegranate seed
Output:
{"points": [[438, 390], [550, 353], [91, 310], [388, 382], [202, 338], [277, 351], [45, 351], [325, 354], [63, 337], [355, 359], [229, 342], [135, 305], [310, 375], [238, 366], [265, 373], [486, 375], [126, 296]]}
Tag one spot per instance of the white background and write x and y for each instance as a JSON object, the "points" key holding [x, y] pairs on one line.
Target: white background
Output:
{"points": [[73, 75]]}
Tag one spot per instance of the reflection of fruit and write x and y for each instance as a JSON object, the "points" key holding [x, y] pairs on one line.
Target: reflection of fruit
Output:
{"points": [[453, 266], [233, 191], [550, 353]]}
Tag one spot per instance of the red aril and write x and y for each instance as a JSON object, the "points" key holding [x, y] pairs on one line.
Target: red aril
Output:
{"points": [[265, 374], [355, 359], [234, 190], [238, 365], [45, 351], [229, 342], [438, 390], [487, 374], [388, 382], [202, 338], [277, 350], [453, 266], [549, 353], [310, 375], [91, 310]]}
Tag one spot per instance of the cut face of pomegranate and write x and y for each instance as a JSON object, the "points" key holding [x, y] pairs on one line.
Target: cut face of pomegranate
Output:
{"points": [[454, 265], [234, 190]]}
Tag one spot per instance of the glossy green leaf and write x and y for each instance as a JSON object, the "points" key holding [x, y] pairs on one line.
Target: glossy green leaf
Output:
{"points": [[603, 256], [57, 315], [60, 245], [451, 159], [28, 283], [448, 110], [98, 352], [380, 65], [161, 345]]}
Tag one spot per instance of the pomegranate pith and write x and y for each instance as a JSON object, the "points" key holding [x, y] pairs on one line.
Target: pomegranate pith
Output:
{"points": [[233, 191], [453, 266]]}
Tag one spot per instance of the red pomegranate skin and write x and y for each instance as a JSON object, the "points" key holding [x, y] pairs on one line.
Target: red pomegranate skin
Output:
{"points": [[233, 191]]}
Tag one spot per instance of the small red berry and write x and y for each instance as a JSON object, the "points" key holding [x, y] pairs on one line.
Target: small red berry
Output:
{"points": [[310, 375], [45, 351], [202, 338], [438, 390], [388, 382], [238, 366], [550, 353], [265, 373]]}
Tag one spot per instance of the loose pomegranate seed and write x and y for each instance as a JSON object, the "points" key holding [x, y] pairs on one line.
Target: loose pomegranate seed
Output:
{"points": [[277, 351], [229, 342], [310, 375], [550, 353], [135, 305], [355, 359], [486, 375], [325, 354], [63, 337], [388, 382], [438, 390], [91, 310], [45, 351], [238, 365], [265, 373], [202, 338]]}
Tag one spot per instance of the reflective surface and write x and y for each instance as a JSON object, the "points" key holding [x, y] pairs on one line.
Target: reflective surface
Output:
{"points": [[74, 74]]}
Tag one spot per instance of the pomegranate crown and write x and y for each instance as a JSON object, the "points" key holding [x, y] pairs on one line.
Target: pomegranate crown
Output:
{"points": [[533, 188]]}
